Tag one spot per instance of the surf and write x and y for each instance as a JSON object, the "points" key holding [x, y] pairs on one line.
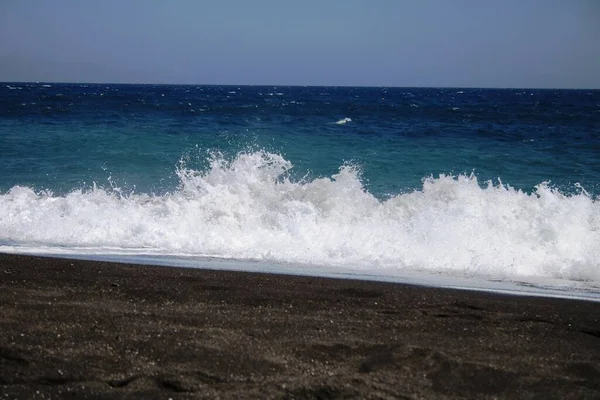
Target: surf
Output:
{"points": [[249, 207]]}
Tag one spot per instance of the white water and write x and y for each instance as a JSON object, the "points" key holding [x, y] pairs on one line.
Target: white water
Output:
{"points": [[343, 121], [247, 209]]}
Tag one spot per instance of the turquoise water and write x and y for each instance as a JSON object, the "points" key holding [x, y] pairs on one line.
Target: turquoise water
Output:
{"points": [[468, 183], [67, 136]]}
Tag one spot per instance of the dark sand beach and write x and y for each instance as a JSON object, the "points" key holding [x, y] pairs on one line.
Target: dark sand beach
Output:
{"points": [[81, 329]]}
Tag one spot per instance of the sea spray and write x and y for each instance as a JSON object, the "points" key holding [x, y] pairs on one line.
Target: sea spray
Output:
{"points": [[250, 208]]}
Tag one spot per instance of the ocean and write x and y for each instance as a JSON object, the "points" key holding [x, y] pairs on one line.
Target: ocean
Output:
{"points": [[489, 189]]}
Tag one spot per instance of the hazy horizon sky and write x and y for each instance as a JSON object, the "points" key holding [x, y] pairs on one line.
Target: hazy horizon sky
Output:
{"points": [[459, 43]]}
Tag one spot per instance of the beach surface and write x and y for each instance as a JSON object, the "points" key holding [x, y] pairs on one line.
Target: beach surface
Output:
{"points": [[84, 329]]}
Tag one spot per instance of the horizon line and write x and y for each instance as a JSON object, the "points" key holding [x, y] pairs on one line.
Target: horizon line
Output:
{"points": [[297, 85]]}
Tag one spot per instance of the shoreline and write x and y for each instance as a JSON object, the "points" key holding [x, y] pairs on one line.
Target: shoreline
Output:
{"points": [[106, 329], [525, 286]]}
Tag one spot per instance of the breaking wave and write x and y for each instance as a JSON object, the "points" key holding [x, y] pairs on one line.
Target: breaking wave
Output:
{"points": [[249, 208]]}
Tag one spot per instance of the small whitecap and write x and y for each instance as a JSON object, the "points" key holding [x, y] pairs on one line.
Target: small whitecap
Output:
{"points": [[344, 121]]}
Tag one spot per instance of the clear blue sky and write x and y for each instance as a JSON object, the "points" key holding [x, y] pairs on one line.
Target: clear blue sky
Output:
{"points": [[460, 43]]}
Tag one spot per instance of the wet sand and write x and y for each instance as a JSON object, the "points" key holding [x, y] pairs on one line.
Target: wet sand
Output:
{"points": [[82, 329]]}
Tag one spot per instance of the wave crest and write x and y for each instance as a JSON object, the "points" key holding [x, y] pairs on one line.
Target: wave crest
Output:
{"points": [[250, 208]]}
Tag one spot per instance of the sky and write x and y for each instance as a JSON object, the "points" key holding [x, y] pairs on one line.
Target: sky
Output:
{"points": [[451, 43]]}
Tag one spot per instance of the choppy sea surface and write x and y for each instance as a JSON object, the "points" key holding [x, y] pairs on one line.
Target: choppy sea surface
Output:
{"points": [[474, 188]]}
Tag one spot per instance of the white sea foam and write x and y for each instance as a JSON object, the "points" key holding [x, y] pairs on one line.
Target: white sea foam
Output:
{"points": [[248, 208], [344, 121]]}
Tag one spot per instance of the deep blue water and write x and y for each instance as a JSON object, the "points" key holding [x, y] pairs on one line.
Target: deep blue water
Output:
{"points": [[371, 179], [67, 136]]}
